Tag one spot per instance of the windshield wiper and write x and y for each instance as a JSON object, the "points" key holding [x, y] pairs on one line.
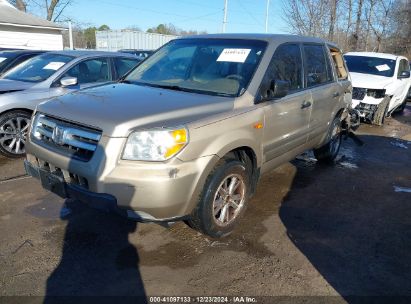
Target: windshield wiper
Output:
{"points": [[177, 88], [169, 87], [125, 81]]}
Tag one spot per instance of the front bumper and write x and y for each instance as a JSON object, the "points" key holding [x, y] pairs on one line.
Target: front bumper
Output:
{"points": [[141, 191], [57, 185]]}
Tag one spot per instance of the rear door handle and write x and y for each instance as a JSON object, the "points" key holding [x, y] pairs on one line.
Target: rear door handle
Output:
{"points": [[336, 94], [306, 104]]}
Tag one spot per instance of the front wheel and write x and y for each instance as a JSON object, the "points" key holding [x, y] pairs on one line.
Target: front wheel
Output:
{"points": [[14, 127], [381, 112], [401, 108], [328, 152], [223, 200]]}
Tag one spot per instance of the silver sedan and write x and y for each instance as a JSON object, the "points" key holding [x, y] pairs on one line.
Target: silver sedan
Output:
{"points": [[49, 75]]}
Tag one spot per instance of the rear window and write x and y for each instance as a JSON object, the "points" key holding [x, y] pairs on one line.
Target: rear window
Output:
{"points": [[370, 65]]}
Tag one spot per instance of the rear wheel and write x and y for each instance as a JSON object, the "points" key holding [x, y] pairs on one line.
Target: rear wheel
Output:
{"points": [[223, 200], [14, 127], [381, 112], [329, 151]]}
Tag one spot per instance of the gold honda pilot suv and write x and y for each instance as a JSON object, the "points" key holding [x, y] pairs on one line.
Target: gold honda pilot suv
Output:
{"points": [[187, 133]]}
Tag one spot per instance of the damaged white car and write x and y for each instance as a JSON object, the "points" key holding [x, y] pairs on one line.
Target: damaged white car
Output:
{"points": [[380, 84]]}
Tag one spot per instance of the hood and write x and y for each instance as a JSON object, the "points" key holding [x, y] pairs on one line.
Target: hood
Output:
{"points": [[118, 108], [368, 81], [8, 86]]}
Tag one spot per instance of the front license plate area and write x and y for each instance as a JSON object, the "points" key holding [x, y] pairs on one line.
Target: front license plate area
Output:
{"points": [[53, 183]]}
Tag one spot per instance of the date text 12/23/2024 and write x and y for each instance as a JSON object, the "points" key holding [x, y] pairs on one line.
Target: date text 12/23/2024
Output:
{"points": [[202, 299]]}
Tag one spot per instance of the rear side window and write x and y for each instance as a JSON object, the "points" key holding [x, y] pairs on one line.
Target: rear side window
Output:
{"points": [[317, 66], [286, 64], [124, 65]]}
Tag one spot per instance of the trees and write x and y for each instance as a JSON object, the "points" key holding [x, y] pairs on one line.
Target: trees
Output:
{"points": [[53, 9], [165, 29], [372, 25], [170, 29], [19, 4], [103, 27]]}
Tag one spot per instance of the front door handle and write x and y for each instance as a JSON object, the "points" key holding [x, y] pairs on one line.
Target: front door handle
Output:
{"points": [[336, 94], [306, 104]]}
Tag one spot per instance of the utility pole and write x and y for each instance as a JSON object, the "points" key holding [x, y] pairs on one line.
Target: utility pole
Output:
{"points": [[266, 16], [70, 36], [225, 14]]}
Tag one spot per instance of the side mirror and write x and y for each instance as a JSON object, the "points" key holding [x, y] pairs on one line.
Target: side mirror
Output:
{"points": [[68, 81], [404, 74], [274, 89]]}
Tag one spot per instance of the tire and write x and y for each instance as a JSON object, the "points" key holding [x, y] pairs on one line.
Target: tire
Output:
{"points": [[208, 216], [381, 113], [14, 127], [328, 152], [401, 108]]}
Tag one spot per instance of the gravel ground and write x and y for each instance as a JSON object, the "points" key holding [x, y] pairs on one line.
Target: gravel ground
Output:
{"points": [[311, 230]]}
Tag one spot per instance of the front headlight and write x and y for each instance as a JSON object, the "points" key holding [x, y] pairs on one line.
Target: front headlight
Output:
{"points": [[155, 145]]}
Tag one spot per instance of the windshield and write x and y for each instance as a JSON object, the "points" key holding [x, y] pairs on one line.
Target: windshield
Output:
{"points": [[207, 66], [370, 65], [37, 68]]}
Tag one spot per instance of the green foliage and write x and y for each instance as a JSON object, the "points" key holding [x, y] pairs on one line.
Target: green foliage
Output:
{"points": [[170, 29], [104, 27], [90, 37]]}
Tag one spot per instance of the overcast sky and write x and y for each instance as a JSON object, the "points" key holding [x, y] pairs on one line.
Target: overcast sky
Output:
{"points": [[245, 16]]}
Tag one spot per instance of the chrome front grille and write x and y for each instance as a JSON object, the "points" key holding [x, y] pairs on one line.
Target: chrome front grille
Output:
{"points": [[67, 138], [359, 93]]}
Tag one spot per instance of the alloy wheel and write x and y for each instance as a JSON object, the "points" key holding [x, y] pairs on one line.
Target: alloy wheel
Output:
{"points": [[13, 135], [229, 199]]}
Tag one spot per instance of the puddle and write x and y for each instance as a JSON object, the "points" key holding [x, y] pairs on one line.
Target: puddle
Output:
{"points": [[347, 165], [399, 144], [402, 189]]}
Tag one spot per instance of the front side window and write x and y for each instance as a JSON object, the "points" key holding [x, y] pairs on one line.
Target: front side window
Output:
{"points": [[38, 68], [90, 71], [286, 65], [403, 67], [317, 66], [370, 65], [221, 67]]}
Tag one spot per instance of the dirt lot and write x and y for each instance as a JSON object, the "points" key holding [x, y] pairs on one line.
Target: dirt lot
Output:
{"points": [[311, 230]]}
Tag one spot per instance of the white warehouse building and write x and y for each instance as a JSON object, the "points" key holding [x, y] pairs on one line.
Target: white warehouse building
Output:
{"points": [[19, 30], [114, 40]]}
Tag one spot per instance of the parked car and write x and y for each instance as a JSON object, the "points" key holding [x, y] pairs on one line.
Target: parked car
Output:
{"points": [[381, 83], [141, 54], [12, 58], [187, 134], [48, 75]]}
